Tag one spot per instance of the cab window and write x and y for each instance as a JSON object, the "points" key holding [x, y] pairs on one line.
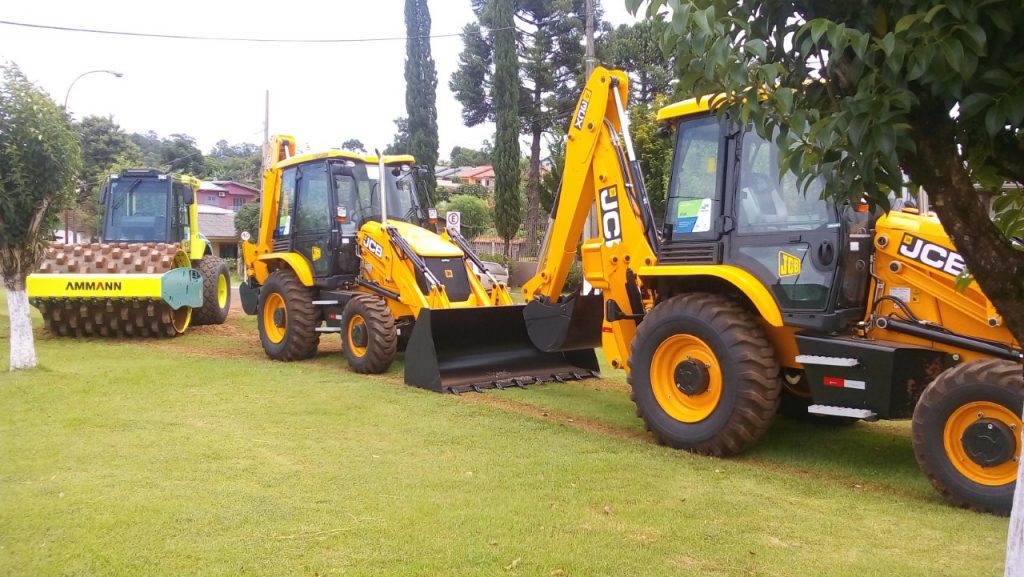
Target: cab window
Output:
{"points": [[695, 180]]}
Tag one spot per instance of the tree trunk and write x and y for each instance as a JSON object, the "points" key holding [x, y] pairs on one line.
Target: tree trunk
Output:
{"points": [[533, 189], [23, 348], [1015, 535], [938, 167]]}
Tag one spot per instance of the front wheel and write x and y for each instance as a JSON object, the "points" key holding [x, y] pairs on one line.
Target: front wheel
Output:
{"points": [[967, 434], [703, 375], [368, 335], [287, 318]]}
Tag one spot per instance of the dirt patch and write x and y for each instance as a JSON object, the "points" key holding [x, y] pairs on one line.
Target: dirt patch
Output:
{"points": [[550, 415]]}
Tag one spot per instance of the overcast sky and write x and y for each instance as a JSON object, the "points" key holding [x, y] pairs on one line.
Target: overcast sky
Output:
{"points": [[323, 94]]}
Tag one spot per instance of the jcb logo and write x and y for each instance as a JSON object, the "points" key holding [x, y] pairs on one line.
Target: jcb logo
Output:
{"points": [[789, 265], [933, 255], [316, 253], [374, 247], [611, 222], [582, 112]]}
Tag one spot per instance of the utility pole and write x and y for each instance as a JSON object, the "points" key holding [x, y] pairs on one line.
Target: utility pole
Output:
{"points": [[589, 227], [266, 135], [591, 60]]}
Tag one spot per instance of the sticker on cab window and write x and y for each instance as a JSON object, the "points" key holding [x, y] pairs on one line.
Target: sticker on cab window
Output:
{"points": [[693, 215]]}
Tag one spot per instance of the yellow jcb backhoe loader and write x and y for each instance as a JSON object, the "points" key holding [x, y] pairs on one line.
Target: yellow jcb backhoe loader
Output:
{"points": [[151, 274], [749, 290], [348, 244]]}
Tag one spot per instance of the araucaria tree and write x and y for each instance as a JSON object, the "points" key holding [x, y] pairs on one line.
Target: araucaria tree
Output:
{"points": [[420, 86], [549, 42], [862, 93], [506, 103], [39, 159]]}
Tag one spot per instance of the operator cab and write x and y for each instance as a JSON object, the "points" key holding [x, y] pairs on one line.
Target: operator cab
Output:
{"points": [[727, 204], [145, 206]]}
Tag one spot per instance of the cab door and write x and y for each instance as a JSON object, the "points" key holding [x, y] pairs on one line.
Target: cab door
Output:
{"points": [[788, 239], [313, 216], [693, 224]]}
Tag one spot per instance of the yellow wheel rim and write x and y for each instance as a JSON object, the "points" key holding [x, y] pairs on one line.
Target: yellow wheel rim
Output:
{"points": [[275, 302], [679, 405], [952, 439], [180, 319], [355, 323], [222, 291]]}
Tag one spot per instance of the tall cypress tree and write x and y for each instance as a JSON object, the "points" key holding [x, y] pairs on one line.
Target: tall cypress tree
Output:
{"points": [[507, 215], [420, 86]]}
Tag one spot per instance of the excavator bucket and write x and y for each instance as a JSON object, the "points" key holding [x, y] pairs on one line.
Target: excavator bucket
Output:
{"points": [[471, 349]]}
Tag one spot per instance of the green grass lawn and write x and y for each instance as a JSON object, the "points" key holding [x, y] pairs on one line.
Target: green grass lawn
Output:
{"points": [[197, 456]]}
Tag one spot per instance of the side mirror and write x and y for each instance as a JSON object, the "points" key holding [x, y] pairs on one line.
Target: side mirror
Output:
{"points": [[190, 198], [104, 193]]}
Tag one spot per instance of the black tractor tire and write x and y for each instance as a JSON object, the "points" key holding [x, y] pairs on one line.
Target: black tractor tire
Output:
{"points": [[287, 318], [214, 311], [743, 355], [995, 390], [368, 336]]}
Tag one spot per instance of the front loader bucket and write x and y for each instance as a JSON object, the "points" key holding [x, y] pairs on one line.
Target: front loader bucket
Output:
{"points": [[459, 350]]}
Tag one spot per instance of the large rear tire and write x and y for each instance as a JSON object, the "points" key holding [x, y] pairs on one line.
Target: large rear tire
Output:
{"points": [[216, 292], [703, 375], [368, 335], [967, 434], [287, 318]]}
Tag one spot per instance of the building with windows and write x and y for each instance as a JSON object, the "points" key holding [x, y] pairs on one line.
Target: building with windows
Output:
{"points": [[218, 226], [226, 194]]}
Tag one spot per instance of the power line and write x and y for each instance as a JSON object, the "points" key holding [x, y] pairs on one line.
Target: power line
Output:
{"points": [[227, 38]]}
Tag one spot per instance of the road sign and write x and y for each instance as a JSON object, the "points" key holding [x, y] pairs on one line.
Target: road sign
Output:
{"points": [[454, 219], [245, 235]]}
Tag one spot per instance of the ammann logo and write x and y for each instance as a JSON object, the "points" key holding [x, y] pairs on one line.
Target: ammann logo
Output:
{"points": [[92, 286]]}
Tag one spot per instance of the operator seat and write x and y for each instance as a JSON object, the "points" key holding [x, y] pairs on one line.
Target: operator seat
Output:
{"points": [[760, 201]]}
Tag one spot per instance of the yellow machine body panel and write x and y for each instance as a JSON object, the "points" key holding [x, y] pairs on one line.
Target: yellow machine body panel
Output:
{"points": [[384, 264], [294, 261], [917, 263], [70, 285]]}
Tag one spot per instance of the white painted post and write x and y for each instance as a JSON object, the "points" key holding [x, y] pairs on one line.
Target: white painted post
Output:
{"points": [[1015, 535], [23, 349]]}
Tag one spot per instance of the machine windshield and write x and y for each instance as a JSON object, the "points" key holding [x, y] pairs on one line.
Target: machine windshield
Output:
{"points": [[358, 194], [137, 210]]}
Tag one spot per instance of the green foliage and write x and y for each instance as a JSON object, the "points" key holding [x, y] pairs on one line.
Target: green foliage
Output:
{"points": [[103, 144], [653, 150], [238, 162], [39, 159], [462, 156], [248, 219], [179, 153], [1009, 214], [889, 71], [475, 190], [421, 88], [176, 153], [634, 48], [353, 145], [507, 215], [401, 142], [573, 280], [552, 180], [476, 216]]}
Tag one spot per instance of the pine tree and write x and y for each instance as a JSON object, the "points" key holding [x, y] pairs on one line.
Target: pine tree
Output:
{"points": [[507, 215], [420, 86], [549, 35]]}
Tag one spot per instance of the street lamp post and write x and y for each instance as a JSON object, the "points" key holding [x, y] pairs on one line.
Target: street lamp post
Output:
{"points": [[77, 78], [68, 212]]}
